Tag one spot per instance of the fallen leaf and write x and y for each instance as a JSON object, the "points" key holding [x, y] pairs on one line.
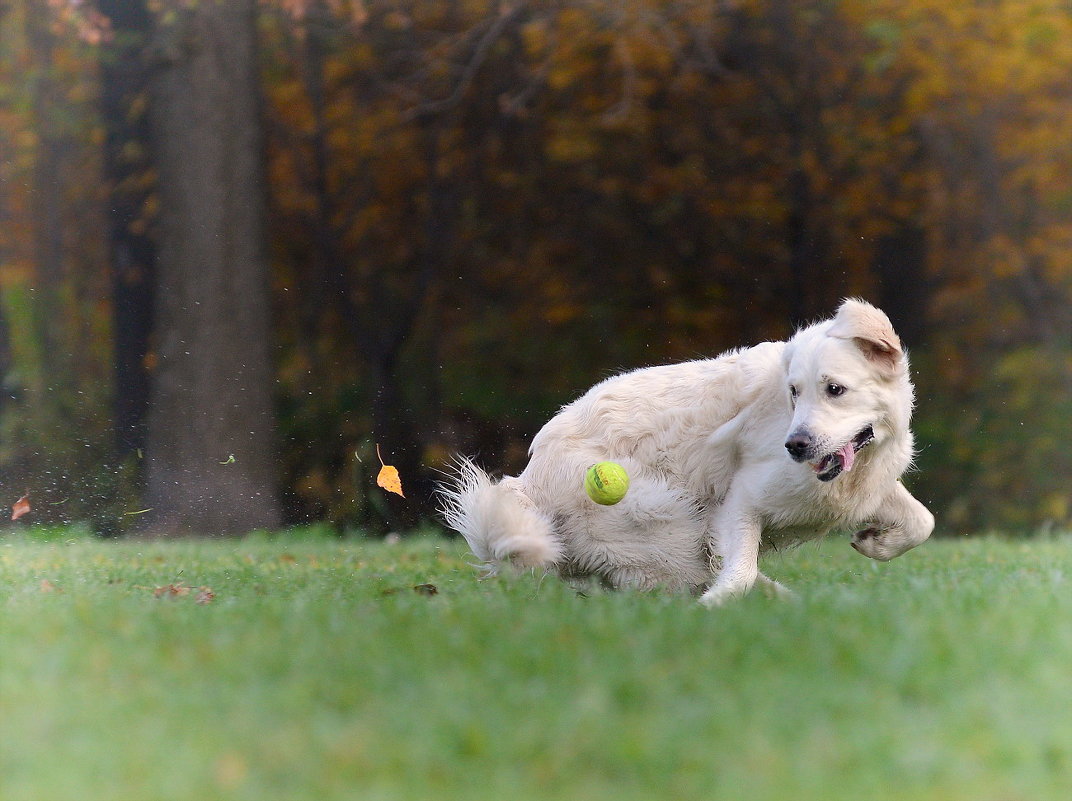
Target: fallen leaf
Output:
{"points": [[230, 460], [171, 591], [22, 507], [388, 477], [426, 589], [48, 586], [205, 595]]}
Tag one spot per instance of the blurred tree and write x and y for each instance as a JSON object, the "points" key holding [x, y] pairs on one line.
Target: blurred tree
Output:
{"points": [[211, 449], [124, 88], [362, 144], [991, 105], [54, 426], [47, 193], [479, 208], [634, 183]]}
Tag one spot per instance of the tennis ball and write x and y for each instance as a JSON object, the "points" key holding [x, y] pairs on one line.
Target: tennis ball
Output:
{"points": [[606, 483]]}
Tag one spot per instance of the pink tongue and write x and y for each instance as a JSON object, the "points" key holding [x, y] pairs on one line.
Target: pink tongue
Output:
{"points": [[848, 456]]}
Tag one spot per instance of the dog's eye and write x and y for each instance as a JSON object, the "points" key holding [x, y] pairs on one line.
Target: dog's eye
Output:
{"points": [[835, 390]]}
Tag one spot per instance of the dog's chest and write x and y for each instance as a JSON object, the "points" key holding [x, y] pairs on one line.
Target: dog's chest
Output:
{"points": [[795, 506], [778, 538]]}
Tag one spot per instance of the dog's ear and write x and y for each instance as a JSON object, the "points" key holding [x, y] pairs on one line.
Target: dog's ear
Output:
{"points": [[872, 332]]}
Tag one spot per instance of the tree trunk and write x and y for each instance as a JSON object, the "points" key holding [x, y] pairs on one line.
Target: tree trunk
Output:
{"points": [[124, 82], [47, 195], [211, 460]]}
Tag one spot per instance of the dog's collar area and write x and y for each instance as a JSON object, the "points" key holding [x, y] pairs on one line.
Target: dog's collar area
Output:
{"points": [[834, 464]]}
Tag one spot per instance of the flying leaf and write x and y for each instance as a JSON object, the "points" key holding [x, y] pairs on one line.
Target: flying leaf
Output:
{"points": [[388, 477], [21, 507]]}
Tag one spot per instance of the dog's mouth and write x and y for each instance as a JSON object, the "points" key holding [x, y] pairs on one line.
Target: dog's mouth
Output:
{"points": [[841, 461]]}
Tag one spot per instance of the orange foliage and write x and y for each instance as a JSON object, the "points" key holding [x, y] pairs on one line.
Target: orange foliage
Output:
{"points": [[704, 171]]}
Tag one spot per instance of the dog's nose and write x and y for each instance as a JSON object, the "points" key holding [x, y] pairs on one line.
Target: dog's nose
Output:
{"points": [[798, 445]]}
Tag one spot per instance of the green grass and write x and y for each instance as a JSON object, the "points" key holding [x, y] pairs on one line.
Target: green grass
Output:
{"points": [[317, 671]]}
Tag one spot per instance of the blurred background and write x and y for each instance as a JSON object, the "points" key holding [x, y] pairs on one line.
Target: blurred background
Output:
{"points": [[241, 243]]}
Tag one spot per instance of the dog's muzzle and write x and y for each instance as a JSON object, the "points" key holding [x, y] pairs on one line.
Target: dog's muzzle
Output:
{"points": [[801, 447]]}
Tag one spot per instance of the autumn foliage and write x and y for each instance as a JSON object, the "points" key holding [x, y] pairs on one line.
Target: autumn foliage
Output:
{"points": [[478, 209]]}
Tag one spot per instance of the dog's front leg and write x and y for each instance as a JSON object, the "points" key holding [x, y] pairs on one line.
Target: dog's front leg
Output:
{"points": [[736, 543], [901, 523]]}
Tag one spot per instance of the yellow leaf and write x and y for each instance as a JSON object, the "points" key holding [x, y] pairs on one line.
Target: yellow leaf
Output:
{"points": [[388, 477]]}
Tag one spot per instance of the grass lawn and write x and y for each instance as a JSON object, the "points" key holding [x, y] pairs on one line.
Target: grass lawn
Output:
{"points": [[312, 669]]}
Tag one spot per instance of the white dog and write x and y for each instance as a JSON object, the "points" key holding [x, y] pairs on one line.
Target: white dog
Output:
{"points": [[758, 448]]}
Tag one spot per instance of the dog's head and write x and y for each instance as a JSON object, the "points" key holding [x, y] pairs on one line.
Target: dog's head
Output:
{"points": [[847, 381]]}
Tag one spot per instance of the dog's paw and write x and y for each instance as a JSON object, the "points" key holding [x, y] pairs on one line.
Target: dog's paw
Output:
{"points": [[871, 543], [773, 589], [718, 595]]}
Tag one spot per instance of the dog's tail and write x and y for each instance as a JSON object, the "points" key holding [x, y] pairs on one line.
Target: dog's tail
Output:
{"points": [[498, 520]]}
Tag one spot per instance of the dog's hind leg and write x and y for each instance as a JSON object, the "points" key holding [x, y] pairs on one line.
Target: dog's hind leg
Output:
{"points": [[655, 537]]}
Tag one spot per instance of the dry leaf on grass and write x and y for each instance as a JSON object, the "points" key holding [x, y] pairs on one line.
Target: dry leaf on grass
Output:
{"points": [[171, 591], [204, 595]]}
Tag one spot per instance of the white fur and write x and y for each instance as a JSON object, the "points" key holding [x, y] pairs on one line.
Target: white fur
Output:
{"points": [[711, 481]]}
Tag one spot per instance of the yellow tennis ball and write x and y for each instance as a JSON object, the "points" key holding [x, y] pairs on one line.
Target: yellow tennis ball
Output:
{"points": [[606, 483]]}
